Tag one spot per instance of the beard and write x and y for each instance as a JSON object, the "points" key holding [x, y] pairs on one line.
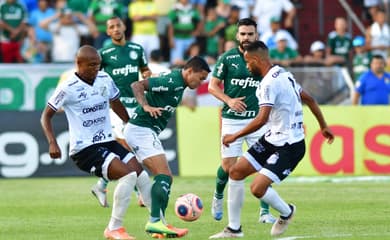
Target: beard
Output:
{"points": [[243, 44], [255, 71]]}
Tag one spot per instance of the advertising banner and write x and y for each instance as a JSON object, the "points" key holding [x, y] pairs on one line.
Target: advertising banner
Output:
{"points": [[28, 86], [361, 146], [24, 148]]}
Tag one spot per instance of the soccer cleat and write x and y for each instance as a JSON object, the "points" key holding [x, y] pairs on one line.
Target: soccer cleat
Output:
{"points": [[100, 194], [228, 233], [267, 218], [280, 226], [217, 208], [180, 231], [117, 234], [160, 230]]}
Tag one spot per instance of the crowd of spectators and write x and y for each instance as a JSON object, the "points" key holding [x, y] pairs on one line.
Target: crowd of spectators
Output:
{"points": [[50, 31]]}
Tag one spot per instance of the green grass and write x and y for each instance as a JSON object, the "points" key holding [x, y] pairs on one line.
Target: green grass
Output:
{"points": [[63, 208]]}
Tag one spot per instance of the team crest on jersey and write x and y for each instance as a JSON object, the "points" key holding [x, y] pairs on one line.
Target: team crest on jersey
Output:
{"points": [[133, 55]]}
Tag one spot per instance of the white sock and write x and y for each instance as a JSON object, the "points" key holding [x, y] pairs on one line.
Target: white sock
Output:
{"points": [[235, 199], [275, 201], [144, 186], [122, 195]]}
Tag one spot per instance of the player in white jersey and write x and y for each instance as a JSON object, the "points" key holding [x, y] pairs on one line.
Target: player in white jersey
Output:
{"points": [[86, 96], [280, 149]]}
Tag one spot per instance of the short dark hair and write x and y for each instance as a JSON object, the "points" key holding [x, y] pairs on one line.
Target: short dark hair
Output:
{"points": [[155, 55], [378, 57], [256, 45], [198, 64], [246, 22]]}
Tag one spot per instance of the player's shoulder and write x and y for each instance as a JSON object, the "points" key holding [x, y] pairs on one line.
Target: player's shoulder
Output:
{"points": [[275, 75], [231, 54], [102, 75], [133, 46], [332, 35], [107, 49]]}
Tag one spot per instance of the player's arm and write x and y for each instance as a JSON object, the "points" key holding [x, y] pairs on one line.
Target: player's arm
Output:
{"points": [[259, 121], [47, 115], [315, 109], [146, 72], [120, 110], [139, 88], [236, 104]]}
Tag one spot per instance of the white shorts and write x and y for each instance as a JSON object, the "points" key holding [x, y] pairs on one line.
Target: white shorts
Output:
{"points": [[117, 124], [144, 141], [230, 126]]}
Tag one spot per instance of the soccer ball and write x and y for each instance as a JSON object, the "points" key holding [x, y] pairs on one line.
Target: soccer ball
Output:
{"points": [[188, 207]]}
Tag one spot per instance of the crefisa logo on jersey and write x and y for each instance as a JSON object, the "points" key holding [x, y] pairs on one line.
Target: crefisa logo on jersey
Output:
{"points": [[133, 55]]}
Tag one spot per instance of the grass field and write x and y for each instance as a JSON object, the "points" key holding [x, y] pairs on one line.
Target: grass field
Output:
{"points": [[63, 208]]}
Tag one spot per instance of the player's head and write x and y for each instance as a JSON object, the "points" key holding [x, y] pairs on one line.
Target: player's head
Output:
{"points": [[256, 57], [116, 29], [195, 71], [246, 32], [88, 62]]}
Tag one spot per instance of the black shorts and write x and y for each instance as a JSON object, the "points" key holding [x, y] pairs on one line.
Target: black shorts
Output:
{"points": [[280, 161], [92, 158]]}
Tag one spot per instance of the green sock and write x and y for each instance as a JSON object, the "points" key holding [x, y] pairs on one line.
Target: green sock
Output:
{"points": [[160, 195], [220, 183], [264, 208]]}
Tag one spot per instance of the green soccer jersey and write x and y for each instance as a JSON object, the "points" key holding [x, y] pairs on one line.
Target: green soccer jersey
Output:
{"points": [[123, 64], [238, 82], [165, 91], [361, 64], [184, 21], [288, 54], [340, 45], [14, 15]]}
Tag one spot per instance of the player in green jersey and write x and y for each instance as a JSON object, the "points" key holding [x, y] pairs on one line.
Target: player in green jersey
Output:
{"points": [[239, 108], [155, 107], [122, 60]]}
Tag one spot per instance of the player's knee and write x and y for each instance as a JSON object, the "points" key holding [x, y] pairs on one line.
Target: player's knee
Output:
{"points": [[235, 174], [257, 190]]}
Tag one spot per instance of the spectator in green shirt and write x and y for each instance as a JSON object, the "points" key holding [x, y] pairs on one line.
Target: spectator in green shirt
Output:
{"points": [[282, 54]]}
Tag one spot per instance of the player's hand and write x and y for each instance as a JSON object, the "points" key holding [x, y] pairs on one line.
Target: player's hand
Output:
{"points": [[153, 111], [328, 134], [237, 104], [227, 139], [54, 150]]}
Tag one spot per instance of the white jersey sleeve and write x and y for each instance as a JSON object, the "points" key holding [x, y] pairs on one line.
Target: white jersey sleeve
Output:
{"points": [[57, 100]]}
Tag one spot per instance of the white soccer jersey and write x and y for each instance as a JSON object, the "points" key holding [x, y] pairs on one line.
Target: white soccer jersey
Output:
{"points": [[280, 90], [86, 108]]}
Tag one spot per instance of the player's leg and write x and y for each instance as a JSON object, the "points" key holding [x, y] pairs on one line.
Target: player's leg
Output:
{"points": [[229, 158], [265, 215], [274, 170], [108, 161], [236, 192], [220, 184], [260, 189], [153, 157]]}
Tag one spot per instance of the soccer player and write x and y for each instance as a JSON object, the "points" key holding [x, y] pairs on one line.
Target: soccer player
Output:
{"points": [[240, 107], [85, 97], [122, 60], [155, 107], [277, 152]]}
